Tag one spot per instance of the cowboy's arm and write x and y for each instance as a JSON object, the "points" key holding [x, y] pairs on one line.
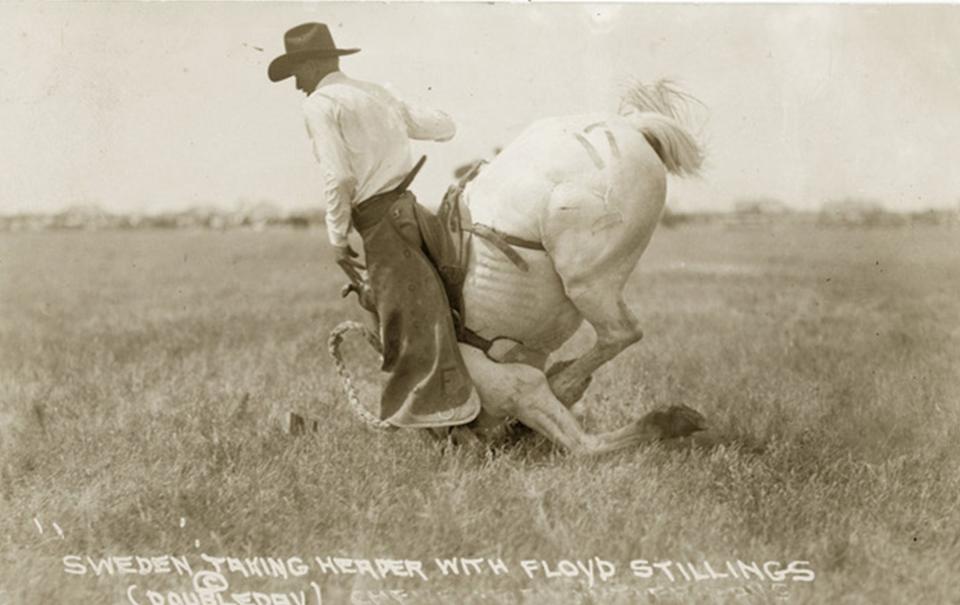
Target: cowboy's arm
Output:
{"points": [[339, 183], [427, 124]]}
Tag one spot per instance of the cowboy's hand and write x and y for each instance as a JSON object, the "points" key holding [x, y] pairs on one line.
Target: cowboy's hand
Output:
{"points": [[364, 295], [346, 257]]}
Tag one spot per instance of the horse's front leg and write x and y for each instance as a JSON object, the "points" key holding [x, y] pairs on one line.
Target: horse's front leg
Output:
{"points": [[520, 391]]}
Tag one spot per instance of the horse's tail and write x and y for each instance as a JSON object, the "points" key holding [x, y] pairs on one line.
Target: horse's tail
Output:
{"points": [[657, 111]]}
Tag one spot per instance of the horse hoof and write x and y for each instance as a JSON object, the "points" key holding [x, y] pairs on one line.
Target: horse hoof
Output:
{"points": [[676, 421]]}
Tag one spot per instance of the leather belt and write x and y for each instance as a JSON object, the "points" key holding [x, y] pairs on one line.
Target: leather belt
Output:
{"points": [[368, 213]]}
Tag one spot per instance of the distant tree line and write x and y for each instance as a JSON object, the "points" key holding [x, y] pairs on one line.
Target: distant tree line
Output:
{"points": [[91, 217], [259, 215], [845, 212]]}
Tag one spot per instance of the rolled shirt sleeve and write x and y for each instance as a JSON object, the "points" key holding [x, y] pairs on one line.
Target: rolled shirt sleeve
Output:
{"points": [[427, 124], [339, 182]]}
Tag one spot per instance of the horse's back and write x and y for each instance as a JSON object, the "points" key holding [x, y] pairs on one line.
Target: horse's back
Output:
{"points": [[585, 155]]}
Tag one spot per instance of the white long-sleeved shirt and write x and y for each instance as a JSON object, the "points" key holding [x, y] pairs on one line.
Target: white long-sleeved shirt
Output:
{"points": [[361, 138]]}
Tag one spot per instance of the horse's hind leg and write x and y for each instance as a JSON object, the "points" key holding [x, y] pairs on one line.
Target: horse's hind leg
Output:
{"points": [[594, 252], [616, 328]]}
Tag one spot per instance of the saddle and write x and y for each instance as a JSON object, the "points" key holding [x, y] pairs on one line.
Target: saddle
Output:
{"points": [[446, 239], [457, 224]]}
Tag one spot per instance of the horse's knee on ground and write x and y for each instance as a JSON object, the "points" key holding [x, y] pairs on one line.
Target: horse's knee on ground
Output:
{"points": [[495, 406], [487, 420]]}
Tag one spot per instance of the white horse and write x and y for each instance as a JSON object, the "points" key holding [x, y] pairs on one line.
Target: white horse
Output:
{"points": [[589, 191]]}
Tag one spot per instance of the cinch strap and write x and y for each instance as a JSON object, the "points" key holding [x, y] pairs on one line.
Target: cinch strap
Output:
{"points": [[503, 243]]}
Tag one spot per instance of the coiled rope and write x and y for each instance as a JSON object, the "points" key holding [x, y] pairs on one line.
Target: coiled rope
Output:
{"points": [[346, 379]]}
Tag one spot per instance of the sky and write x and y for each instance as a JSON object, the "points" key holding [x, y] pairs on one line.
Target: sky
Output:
{"points": [[145, 107]]}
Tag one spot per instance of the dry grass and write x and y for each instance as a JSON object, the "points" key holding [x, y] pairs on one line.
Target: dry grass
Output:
{"points": [[142, 374]]}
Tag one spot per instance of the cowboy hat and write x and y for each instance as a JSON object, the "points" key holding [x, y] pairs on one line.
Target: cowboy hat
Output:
{"points": [[304, 41]]}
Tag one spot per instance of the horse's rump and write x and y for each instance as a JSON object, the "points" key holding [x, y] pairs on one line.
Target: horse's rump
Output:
{"points": [[589, 173], [587, 153]]}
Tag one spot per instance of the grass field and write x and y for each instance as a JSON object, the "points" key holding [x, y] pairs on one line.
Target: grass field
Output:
{"points": [[142, 376]]}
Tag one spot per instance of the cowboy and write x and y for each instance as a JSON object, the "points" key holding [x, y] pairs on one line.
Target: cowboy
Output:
{"points": [[361, 138]]}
